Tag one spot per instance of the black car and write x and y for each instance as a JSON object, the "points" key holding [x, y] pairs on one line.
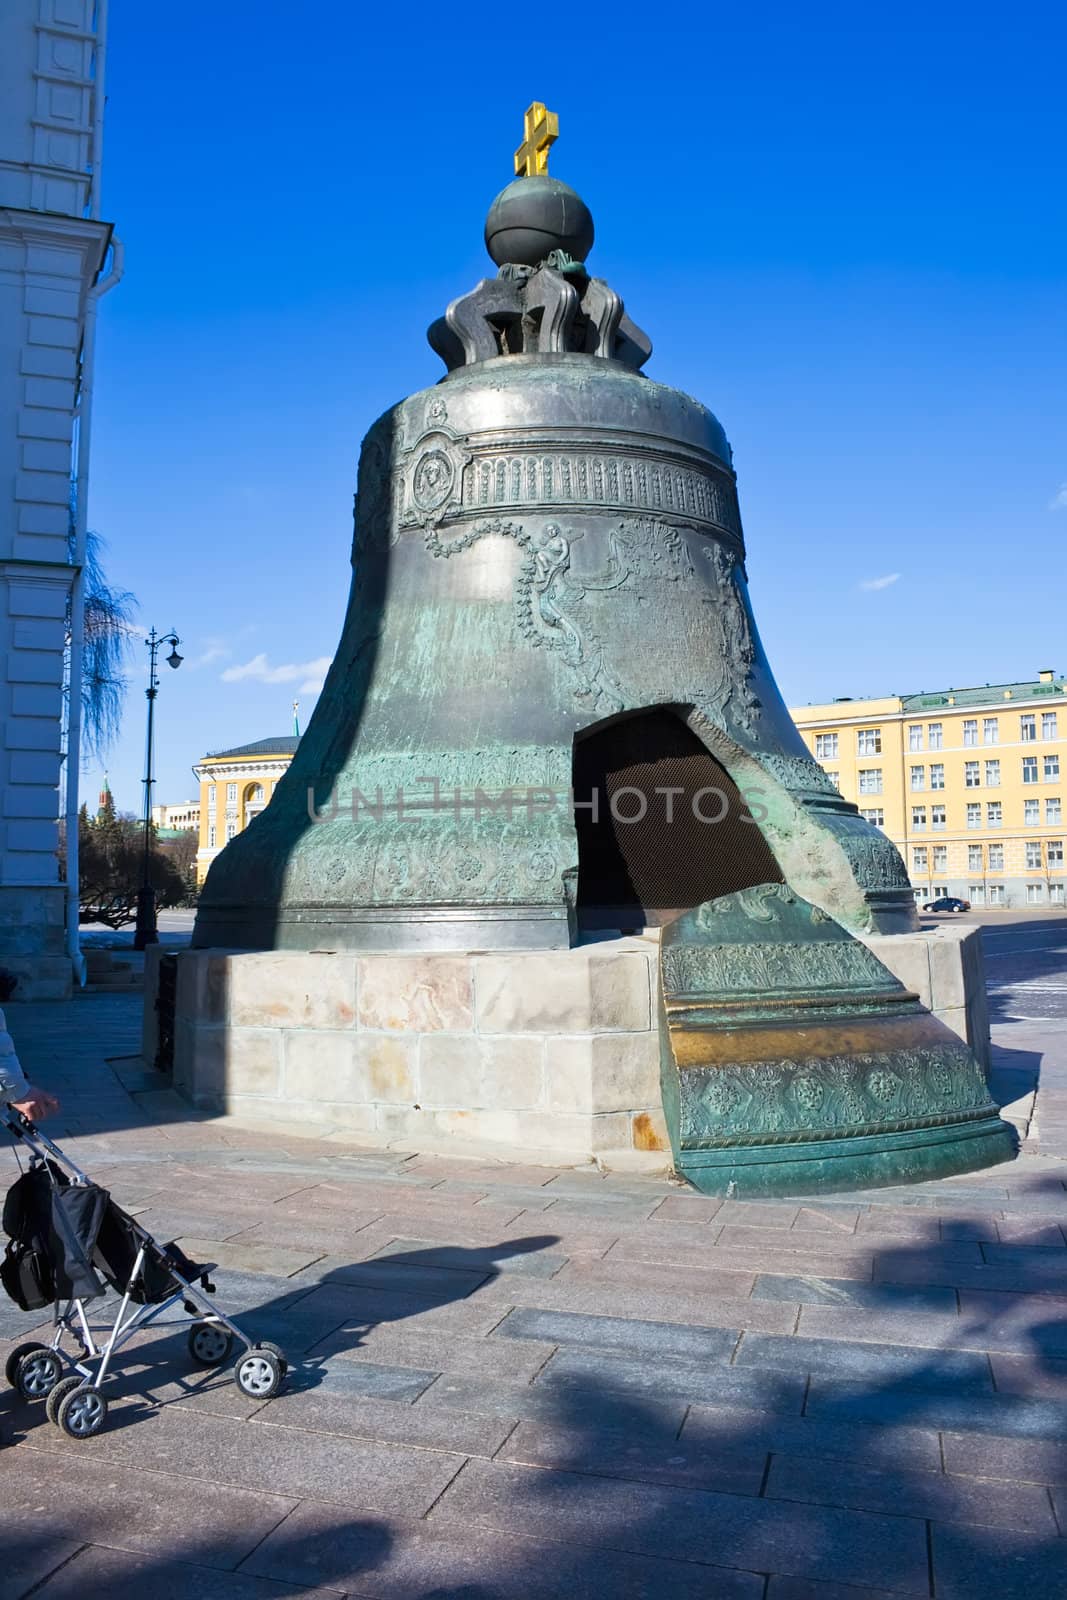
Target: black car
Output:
{"points": [[947, 903]]}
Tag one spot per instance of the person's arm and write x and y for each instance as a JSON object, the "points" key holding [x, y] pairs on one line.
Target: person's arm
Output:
{"points": [[15, 1088]]}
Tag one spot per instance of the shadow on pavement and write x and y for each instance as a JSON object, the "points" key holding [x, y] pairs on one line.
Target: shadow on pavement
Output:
{"points": [[922, 1455]]}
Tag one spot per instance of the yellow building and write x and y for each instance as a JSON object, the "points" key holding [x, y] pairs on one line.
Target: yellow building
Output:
{"points": [[968, 784], [235, 785]]}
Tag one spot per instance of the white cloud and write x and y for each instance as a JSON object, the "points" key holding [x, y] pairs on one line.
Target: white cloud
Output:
{"points": [[880, 583], [213, 651], [1059, 499], [308, 674]]}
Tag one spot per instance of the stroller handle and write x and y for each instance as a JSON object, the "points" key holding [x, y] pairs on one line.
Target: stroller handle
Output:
{"points": [[21, 1126], [17, 1121]]}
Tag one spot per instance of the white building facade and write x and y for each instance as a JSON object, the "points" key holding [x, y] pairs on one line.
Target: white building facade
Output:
{"points": [[54, 264]]}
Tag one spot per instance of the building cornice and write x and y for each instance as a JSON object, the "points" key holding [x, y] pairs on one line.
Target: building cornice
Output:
{"points": [[254, 767]]}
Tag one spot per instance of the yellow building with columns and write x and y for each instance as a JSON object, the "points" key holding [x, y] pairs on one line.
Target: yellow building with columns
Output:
{"points": [[968, 783], [235, 785]]}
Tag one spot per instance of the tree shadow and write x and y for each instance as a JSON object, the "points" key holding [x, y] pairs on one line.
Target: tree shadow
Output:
{"points": [[914, 1452]]}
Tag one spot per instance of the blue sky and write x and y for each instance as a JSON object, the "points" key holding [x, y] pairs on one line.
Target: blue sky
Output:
{"points": [[842, 226]]}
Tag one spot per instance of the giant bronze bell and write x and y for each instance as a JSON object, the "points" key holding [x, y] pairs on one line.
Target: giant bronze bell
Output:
{"points": [[550, 711]]}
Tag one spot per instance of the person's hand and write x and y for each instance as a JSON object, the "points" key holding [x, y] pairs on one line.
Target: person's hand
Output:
{"points": [[37, 1104]]}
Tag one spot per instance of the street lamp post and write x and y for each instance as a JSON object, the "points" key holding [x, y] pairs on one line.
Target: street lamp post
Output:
{"points": [[145, 933]]}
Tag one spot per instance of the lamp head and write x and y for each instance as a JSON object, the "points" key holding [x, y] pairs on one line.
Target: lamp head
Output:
{"points": [[174, 659]]}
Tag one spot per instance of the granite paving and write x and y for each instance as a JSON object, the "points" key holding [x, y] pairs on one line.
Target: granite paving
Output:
{"points": [[514, 1382]]}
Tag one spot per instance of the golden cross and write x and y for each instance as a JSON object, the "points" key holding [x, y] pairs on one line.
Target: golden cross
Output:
{"points": [[540, 132]]}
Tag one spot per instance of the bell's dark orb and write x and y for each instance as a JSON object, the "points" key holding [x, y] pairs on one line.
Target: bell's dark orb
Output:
{"points": [[534, 216]]}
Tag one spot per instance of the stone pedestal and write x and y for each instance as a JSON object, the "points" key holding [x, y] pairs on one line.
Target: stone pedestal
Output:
{"points": [[542, 1056], [32, 945]]}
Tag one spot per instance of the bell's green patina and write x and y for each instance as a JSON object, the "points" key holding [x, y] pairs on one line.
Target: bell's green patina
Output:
{"points": [[794, 1062], [549, 578]]}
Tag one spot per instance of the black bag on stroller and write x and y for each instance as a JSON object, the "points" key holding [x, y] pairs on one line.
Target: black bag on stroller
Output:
{"points": [[119, 1241], [52, 1227]]}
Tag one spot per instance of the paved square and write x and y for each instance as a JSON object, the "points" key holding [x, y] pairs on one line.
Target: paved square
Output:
{"points": [[513, 1383]]}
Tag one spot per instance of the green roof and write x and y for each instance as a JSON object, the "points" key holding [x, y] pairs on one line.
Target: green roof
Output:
{"points": [[991, 694], [284, 746]]}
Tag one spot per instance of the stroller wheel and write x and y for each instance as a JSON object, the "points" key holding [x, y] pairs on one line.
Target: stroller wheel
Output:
{"points": [[275, 1350], [38, 1373], [16, 1355], [259, 1374], [209, 1343], [64, 1387], [82, 1412]]}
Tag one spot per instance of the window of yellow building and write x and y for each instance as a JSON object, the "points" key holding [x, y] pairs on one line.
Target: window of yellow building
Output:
{"points": [[994, 814], [991, 730], [934, 735]]}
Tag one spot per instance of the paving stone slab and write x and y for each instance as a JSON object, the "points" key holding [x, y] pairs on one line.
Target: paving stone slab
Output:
{"points": [[1021, 1230], [218, 1453], [614, 1453], [29, 1551], [894, 1446], [98, 1571], [687, 1208], [619, 1333], [707, 1279], [399, 1346], [535, 1263], [1018, 1329], [1000, 1564], [780, 1588], [659, 1243], [274, 1260], [913, 1494], [1025, 1460], [953, 1372], [143, 1511], [853, 1247], [356, 1308], [994, 1413], [424, 1561], [1021, 1280], [1031, 1375], [727, 1529], [1048, 1259], [696, 1380], [590, 1407], [810, 1290], [656, 1305], [324, 1231], [333, 1404], [430, 1284]]}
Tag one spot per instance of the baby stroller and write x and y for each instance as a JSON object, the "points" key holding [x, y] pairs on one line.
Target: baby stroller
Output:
{"points": [[66, 1234]]}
